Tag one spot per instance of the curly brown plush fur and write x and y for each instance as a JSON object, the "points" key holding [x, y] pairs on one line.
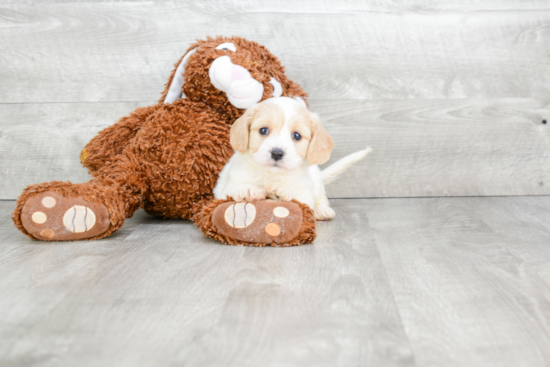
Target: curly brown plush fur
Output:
{"points": [[166, 158]]}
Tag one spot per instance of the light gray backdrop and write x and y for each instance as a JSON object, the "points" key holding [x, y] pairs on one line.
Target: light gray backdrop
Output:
{"points": [[451, 95]]}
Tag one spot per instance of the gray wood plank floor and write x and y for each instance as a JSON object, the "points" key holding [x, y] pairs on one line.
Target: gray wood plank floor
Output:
{"points": [[389, 282]]}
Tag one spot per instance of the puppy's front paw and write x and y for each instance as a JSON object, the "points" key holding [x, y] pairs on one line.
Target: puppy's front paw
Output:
{"points": [[324, 212], [251, 194], [278, 191]]}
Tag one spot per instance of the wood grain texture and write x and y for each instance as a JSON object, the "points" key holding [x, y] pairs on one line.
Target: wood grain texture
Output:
{"points": [[42, 142], [441, 147], [421, 147], [470, 277], [380, 73], [124, 51], [339, 6], [162, 294], [389, 282]]}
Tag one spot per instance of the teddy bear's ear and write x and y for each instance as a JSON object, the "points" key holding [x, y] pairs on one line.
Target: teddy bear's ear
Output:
{"points": [[174, 91]]}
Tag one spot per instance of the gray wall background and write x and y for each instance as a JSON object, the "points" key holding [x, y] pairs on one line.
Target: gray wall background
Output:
{"points": [[450, 94]]}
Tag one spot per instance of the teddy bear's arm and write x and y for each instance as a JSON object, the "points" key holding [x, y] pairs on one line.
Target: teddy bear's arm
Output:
{"points": [[110, 141]]}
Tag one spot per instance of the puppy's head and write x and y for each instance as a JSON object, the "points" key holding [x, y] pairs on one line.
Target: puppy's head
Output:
{"points": [[280, 134]]}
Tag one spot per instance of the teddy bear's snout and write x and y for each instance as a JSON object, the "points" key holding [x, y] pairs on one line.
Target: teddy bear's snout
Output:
{"points": [[239, 73], [235, 81]]}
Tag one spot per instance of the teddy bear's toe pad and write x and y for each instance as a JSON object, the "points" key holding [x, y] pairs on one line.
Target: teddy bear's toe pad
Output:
{"points": [[50, 216], [264, 221]]}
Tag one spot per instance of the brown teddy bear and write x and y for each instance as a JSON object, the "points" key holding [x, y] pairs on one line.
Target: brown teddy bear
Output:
{"points": [[166, 158]]}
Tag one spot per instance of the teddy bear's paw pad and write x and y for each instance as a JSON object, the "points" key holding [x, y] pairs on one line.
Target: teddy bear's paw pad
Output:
{"points": [[240, 215], [263, 221], [50, 216]]}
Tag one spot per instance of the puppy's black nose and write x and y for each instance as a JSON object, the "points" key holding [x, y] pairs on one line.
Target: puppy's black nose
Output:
{"points": [[277, 154]]}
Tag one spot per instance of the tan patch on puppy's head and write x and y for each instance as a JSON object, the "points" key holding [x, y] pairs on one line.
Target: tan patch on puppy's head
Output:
{"points": [[245, 132], [301, 123], [310, 139], [316, 144], [267, 116]]}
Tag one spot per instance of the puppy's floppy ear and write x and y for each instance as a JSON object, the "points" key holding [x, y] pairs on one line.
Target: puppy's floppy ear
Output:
{"points": [[240, 131], [321, 144]]}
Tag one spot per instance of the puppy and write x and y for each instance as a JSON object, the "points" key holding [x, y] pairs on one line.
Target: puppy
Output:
{"points": [[278, 144]]}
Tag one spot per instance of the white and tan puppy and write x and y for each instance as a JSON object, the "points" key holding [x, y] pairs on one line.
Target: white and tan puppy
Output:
{"points": [[278, 144]]}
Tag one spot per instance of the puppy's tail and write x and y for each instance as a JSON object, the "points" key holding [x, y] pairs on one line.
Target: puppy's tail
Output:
{"points": [[332, 172]]}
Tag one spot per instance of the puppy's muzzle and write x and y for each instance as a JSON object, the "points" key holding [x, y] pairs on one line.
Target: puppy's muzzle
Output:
{"points": [[277, 154]]}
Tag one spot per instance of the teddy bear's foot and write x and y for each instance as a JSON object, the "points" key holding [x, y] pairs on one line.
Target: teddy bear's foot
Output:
{"points": [[49, 216], [258, 223]]}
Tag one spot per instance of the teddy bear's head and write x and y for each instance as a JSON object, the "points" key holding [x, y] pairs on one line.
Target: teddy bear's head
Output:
{"points": [[229, 74]]}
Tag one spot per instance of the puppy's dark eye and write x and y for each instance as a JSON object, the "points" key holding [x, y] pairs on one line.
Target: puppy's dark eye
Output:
{"points": [[296, 136], [264, 131]]}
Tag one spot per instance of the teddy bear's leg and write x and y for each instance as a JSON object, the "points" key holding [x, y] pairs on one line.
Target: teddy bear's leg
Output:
{"points": [[62, 211], [112, 140], [257, 223]]}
